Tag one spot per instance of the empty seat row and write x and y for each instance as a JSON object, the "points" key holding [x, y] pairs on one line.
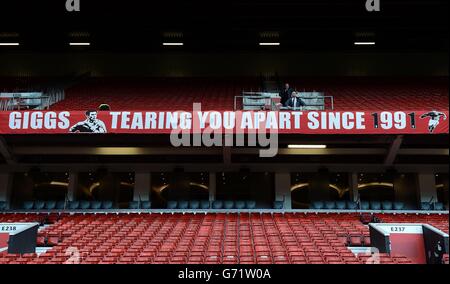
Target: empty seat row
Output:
{"points": [[383, 205], [339, 205], [60, 205], [43, 205], [191, 204], [85, 204], [140, 205], [230, 204]]}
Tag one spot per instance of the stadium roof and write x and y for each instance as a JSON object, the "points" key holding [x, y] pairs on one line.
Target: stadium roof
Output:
{"points": [[224, 25]]}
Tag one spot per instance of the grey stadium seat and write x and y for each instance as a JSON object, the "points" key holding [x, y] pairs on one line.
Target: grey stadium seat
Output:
{"points": [[146, 205], [386, 205], [95, 205], [2, 205], [399, 205], [375, 205], [278, 205], [194, 204], [84, 204], [317, 205], [340, 205], [107, 204], [239, 204], [74, 205], [217, 204], [39, 205], [352, 205], [172, 204], [60, 205], [204, 204], [425, 206], [133, 205], [183, 204], [330, 205], [438, 206], [250, 204], [28, 205], [50, 205], [365, 205], [228, 204]]}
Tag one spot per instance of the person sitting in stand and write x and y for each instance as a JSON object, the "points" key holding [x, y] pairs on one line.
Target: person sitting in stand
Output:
{"points": [[295, 102], [285, 94]]}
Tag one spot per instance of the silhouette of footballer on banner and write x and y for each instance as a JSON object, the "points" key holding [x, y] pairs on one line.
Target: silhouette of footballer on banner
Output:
{"points": [[90, 125], [435, 117]]}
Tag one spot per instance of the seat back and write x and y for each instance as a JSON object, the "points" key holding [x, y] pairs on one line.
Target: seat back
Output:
{"points": [[425, 206], [146, 205], [74, 205], [278, 205], [250, 204], [317, 205], [194, 204], [50, 205], [60, 205], [172, 204], [204, 204], [330, 205], [352, 205], [2, 205], [39, 205], [133, 205], [239, 204], [386, 205], [217, 204], [438, 206], [28, 205], [84, 204], [183, 204], [95, 204], [375, 205], [398, 205], [107, 204], [228, 204], [340, 205], [365, 205]]}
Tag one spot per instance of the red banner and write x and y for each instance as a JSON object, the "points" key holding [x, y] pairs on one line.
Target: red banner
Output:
{"points": [[283, 122]]}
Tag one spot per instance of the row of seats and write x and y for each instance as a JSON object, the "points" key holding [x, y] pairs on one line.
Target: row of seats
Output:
{"points": [[140, 205], [372, 205], [218, 94], [217, 204], [72, 205], [249, 238]]}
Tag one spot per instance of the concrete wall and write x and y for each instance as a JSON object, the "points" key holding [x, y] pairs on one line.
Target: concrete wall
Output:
{"points": [[225, 64]]}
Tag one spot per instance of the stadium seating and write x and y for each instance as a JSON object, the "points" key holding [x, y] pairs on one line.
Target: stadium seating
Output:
{"points": [[2, 205], [209, 238], [218, 94]]}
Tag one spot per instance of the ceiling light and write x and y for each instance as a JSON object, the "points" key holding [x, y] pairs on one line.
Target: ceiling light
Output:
{"points": [[307, 146], [269, 43], [173, 43], [79, 43], [364, 43], [9, 43]]}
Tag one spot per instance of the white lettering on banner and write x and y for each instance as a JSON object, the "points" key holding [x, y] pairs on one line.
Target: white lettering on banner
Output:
{"points": [[125, 119], [229, 120], [185, 120], [297, 115], [313, 121], [39, 120], [246, 121], [137, 121], [215, 120], [150, 120], [360, 120], [285, 120], [335, 120], [202, 119]]}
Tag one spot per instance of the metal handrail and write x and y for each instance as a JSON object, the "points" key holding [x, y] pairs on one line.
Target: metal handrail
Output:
{"points": [[260, 97]]}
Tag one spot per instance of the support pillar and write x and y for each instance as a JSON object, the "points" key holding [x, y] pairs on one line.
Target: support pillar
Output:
{"points": [[283, 189]]}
